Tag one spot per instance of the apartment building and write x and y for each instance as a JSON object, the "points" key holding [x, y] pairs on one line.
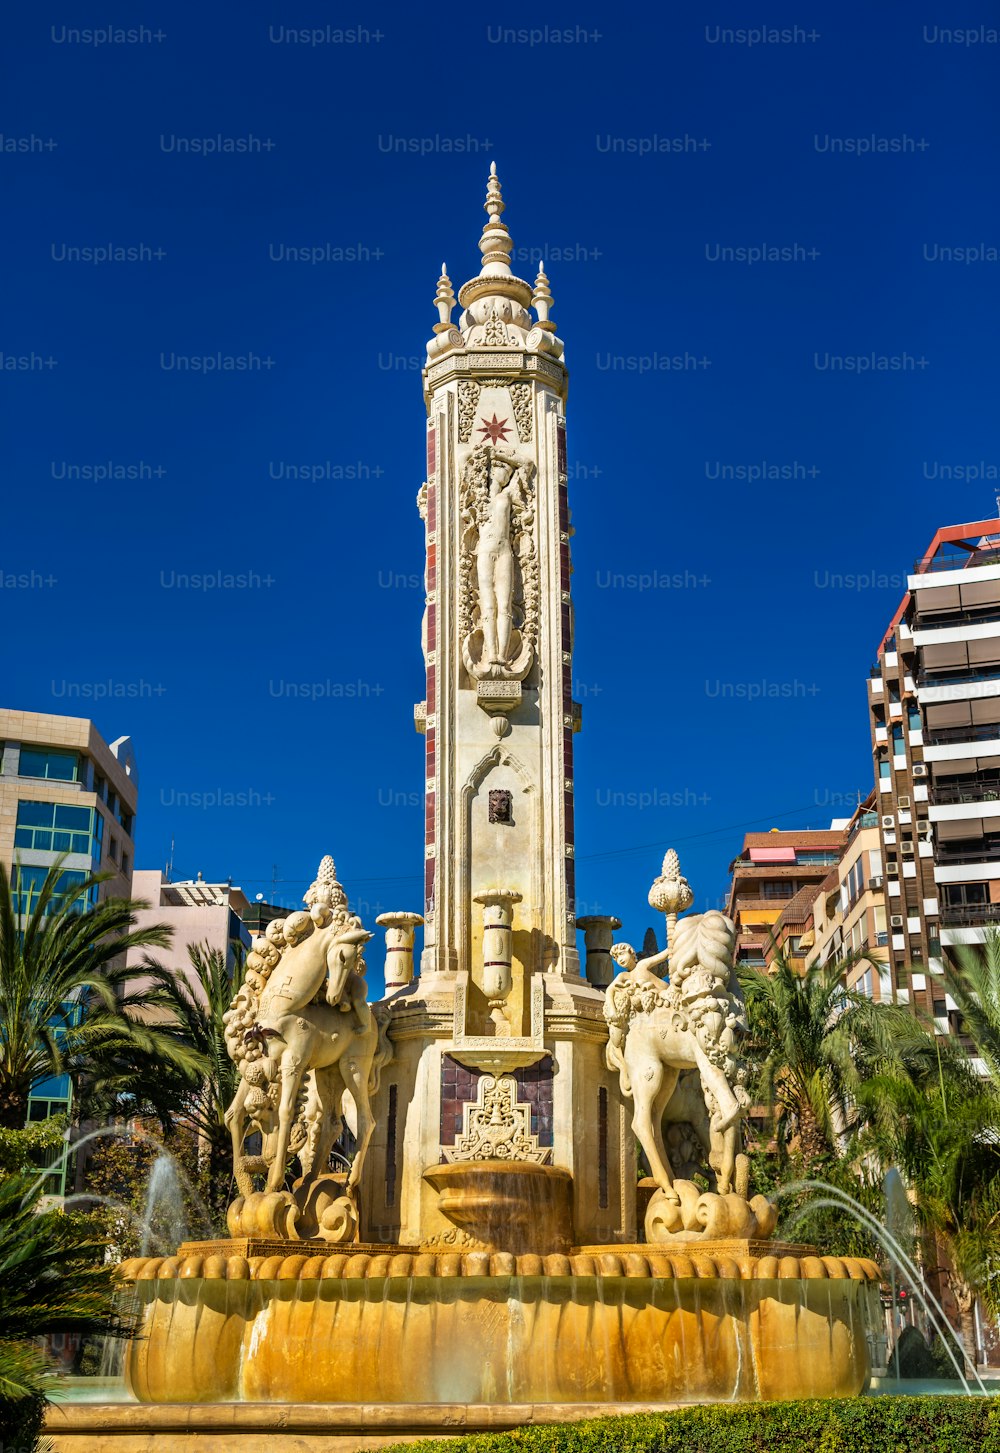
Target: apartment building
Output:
{"points": [[773, 869], [848, 914], [198, 912], [64, 791], [934, 700]]}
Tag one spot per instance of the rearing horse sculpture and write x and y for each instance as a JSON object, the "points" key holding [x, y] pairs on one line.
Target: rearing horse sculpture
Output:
{"points": [[657, 1031], [302, 1032]]}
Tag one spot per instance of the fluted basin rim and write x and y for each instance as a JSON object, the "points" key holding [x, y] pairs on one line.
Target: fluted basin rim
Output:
{"points": [[736, 1262]]}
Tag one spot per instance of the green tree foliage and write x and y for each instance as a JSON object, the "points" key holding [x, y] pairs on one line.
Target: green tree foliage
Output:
{"points": [[67, 1003], [53, 1278]]}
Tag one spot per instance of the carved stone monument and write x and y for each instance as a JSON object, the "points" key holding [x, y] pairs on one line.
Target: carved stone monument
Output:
{"points": [[483, 1245]]}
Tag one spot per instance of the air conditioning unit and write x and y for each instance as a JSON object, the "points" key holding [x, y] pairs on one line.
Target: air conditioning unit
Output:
{"points": [[920, 769], [888, 820], [896, 920], [903, 801], [925, 829], [907, 850]]}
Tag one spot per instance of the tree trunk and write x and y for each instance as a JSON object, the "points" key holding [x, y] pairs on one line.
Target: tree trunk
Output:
{"points": [[13, 1108], [965, 1299], [813, 1144]]}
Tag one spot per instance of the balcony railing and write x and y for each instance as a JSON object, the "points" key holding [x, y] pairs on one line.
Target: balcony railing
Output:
{"points": [[958, 676], [970, 914], [965, 792], [988, 731], [976, 854], [931, 620], [932, 563]]}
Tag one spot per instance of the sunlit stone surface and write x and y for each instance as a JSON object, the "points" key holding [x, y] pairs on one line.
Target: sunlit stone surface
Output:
{"points": [[484, 1248]]}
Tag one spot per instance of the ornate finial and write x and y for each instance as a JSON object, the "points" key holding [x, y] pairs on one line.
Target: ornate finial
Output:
{"points": [[494, 203], [444, 300], [671, 893], [325, 890], [495, 243], [541, 301]]}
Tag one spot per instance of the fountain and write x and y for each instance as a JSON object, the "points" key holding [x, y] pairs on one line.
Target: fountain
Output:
{"points": [[485, 1252]]}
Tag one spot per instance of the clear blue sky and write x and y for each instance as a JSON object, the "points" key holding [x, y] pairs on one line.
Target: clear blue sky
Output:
{"points": [[673, 750]]}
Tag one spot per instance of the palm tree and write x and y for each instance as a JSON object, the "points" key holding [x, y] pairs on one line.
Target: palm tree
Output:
{"points": [[973, 982], [68, 1005], [194, 1004], [814, 1042], [53, 1278], [943, 1132]]}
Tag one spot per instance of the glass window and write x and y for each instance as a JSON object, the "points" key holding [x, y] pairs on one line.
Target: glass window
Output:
{"points": [[53, 827], [126, 864], [31, 880], [884, 769], [113, 848], [77, 818], [898, 748], [913, 716], [42, 762]]}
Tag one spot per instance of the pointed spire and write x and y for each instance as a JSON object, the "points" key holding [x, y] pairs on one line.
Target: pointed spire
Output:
{"points": [[444, 300], [541, 301], [495, 243], [495, 279]]}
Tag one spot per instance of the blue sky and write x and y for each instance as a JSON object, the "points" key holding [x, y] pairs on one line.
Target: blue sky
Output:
{"points": [[725, 622]]}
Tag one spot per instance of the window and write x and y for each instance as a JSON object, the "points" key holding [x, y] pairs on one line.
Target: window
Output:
{"points": [[30, 884], [112, 847], [913, 716], [56, 827], [820, 857], [101, 787], [126, 864], [884, 769], [898, 744], [54, 766]]}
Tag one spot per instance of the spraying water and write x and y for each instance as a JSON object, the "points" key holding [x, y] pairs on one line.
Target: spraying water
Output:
{"points": [[164, 1217], [833, 1198]]}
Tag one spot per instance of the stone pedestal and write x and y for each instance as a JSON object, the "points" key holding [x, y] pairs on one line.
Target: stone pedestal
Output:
{"points": [[598, 932], [399, 931]]}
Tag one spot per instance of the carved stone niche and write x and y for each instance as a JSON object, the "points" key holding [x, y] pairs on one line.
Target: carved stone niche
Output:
{"points": [[501, 808]]}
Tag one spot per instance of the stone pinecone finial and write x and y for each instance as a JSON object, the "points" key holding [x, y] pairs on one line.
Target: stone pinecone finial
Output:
{"points": [[671, 893]]}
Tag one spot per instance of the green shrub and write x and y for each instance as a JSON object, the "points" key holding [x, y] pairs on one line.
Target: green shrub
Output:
{"points": [[835, 1425]]}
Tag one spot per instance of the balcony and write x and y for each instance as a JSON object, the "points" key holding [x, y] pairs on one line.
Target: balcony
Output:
{"points": [[965, 792], [957, 676], [969, 915], [975, 732], [964, 561], [932, 620], [978, 852]]}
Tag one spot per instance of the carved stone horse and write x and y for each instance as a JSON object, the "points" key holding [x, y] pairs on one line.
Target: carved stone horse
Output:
{"points": [[657, 1033], [299, 1036]]}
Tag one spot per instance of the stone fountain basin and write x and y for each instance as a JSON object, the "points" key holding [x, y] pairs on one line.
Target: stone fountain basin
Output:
{"points": [[515, 1206], [247, 1322]]}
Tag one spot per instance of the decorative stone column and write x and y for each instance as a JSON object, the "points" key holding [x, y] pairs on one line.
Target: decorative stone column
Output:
{"points": [[598, 931], [399, 930], [498, 946]]}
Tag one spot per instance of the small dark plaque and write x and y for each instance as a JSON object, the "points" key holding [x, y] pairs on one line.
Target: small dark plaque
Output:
{"points": [[501, 806]]}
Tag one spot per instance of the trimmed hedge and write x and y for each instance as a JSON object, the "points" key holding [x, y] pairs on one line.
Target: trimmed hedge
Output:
{"points": [[835, 1425]]}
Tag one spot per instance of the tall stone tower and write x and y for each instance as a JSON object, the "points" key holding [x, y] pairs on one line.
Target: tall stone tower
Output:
{"points": [[500, 1024], [499, 709]]}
